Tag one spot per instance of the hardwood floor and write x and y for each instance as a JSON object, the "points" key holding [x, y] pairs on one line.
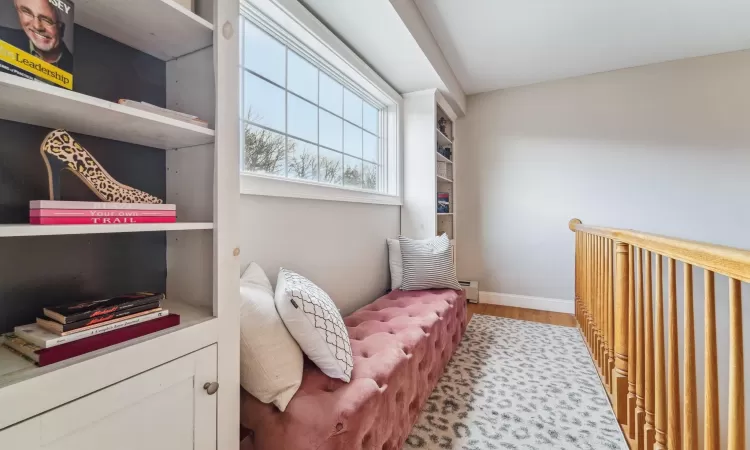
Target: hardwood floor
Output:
{"points": [[532, 315]]}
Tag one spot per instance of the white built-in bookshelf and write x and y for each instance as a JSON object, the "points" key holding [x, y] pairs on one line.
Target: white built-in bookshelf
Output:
{"points": [[427, 171], [156, 379]]}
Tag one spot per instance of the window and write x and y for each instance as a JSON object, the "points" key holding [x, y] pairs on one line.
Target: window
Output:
{"points": [[305, 121]]}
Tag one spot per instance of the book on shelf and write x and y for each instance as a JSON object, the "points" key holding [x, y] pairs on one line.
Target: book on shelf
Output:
{"points": [[72, 326], [64, 204], [99, 220], [91, 213], [148, 107], [51, 325], [74, 312], [50, 355], [443, 202], [20, 346], [27, 47], [34, 334]]}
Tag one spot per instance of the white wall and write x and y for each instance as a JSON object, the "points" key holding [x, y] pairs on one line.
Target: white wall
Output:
{"points": [[663, 148], [339, 246]]}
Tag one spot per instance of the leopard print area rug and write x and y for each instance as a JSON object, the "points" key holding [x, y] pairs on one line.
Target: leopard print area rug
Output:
{"points": [[518, 385]]}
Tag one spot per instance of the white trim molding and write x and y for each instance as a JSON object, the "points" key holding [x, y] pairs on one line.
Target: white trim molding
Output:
{"points": [[269, 186], [528, 302]]}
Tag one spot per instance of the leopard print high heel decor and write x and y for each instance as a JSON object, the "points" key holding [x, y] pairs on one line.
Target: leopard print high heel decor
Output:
{"points": [[61, 152]]}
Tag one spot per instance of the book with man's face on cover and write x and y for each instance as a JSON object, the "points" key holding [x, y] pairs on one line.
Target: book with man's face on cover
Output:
{"points": [[36, 40]]}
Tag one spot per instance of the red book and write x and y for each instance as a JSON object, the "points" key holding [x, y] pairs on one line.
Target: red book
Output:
{"points": [[62, 352], [88, 213], [99, 220]]}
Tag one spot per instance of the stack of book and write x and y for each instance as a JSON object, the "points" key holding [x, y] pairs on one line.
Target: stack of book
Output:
{"points": [[76, 329], [56, 212]]}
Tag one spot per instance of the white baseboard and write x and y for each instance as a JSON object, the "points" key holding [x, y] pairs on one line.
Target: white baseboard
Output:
{"points": [[528, 302]]}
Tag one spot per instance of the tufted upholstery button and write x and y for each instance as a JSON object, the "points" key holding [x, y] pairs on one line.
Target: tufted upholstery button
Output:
{"points": [[364, 355], [339, 426]]}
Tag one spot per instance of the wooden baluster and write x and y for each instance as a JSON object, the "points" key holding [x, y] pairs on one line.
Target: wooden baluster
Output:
{"points": [[578, 277], [640, 382], [606, 369], [602, 310], [736, 440], [649, 432], [611, 324], [581, 274], [690, 425], [622, 316], [575, 270], [673, 386], [589, 270], [660, 378], [631, 345], [711, 428], [600, 304], [595, 340]]}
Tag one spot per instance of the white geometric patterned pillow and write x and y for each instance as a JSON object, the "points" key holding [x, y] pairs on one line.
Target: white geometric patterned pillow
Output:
{"points": [[315, 323]]}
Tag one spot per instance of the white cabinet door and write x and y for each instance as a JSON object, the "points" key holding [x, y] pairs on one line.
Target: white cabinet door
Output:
{"points": [[166, 408]]}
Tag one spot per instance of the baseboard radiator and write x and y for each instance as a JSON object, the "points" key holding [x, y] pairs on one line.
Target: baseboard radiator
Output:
{"points": [[627, 310]]}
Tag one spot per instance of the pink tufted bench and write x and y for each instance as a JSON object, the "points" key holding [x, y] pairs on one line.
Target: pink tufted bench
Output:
{"points": [[401, 345]]}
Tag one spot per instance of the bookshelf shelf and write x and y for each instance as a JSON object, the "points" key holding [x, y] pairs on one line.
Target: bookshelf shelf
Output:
{"points": [[444, 214], [19, 230], [443, 139], [194, 262], [197, 328], [37, 103], [161, 28], [443, 158], [443, 179]]}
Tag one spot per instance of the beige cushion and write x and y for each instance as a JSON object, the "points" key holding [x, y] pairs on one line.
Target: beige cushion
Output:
{"points": [[270, 359]]}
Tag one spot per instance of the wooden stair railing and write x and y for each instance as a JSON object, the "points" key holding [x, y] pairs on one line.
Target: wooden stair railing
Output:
{"points": [[620, 310]]}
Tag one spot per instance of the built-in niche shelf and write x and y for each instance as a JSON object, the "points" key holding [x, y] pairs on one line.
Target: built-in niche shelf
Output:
{"points": [[41, 104], [443, 158], [428, 173], [20, 230], [442, 139], [161, 28]]}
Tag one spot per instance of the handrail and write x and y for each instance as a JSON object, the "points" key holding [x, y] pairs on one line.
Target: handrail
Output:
{"points": [[729, 261]]}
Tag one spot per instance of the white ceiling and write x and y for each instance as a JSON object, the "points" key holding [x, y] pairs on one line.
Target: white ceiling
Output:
{"points": [[495, 44]]}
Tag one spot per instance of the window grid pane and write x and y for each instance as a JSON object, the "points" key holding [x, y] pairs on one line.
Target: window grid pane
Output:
{"points": [[305, 125]]}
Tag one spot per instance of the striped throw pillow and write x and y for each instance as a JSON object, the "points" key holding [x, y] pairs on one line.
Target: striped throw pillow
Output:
{"points": [[428, 264]]}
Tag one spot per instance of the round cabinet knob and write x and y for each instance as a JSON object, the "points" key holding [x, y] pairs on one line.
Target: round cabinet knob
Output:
{"points": [[211, 388]]}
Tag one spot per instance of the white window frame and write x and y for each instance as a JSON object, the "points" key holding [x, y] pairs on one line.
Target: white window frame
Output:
{"points": [[296, 27]]}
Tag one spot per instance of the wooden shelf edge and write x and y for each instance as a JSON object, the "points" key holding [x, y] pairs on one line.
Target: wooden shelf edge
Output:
{"points": [[443, 158], [444, 137], [37, 103], [21, 230]]}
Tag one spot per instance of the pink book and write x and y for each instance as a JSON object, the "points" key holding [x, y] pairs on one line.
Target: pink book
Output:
{"points": [[99, 220], [99, 213]]}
